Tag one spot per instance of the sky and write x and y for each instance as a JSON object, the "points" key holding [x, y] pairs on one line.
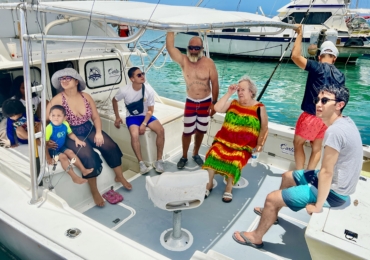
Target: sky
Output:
{"points": [[269, 7]]}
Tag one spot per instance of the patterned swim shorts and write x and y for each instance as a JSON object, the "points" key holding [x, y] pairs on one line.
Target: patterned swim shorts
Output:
{"points": [[310, 127], [196, 116]]}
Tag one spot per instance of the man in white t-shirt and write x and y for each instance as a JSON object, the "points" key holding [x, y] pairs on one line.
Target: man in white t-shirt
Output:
{"points": [[314, 189], [140, 117]]}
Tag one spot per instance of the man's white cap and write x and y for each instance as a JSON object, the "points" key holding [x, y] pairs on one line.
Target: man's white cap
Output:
{"points": [[328, 47]]}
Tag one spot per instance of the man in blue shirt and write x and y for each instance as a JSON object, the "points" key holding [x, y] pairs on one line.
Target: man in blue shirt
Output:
{"points": [[16, 128], [321, 73]]}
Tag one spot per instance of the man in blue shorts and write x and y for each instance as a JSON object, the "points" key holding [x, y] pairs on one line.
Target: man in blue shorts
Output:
{"points": [[140, 116], [320, 73], [313, 189]]}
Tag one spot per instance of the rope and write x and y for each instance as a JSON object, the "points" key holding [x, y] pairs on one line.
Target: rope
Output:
{"points": [[282, 56]]}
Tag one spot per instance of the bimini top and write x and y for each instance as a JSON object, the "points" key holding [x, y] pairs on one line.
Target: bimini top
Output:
{"points": [[159, 17]]}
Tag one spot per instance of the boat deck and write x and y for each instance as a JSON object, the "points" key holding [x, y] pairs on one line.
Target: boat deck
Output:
{"points": [[213, 223]]}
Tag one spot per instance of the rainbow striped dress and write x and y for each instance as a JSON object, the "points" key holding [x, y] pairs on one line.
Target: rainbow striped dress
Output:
{"points": [[233, 144]]}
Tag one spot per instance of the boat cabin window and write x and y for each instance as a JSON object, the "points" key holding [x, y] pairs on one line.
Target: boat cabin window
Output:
{"points": [[229, 30], [312, 18], [244, 30], [7, 76], [102, 73]]}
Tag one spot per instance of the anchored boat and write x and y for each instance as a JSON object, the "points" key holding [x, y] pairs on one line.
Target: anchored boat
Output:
{"points": [[332, 16]]}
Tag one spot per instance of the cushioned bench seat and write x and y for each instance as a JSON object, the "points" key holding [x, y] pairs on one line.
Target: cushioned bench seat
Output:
{"points": [[164, 113]]}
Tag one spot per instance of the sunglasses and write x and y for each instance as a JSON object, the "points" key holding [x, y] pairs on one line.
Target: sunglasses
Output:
{"points": [[324, 100], [67, 78], [196, 48], [139, 75]]}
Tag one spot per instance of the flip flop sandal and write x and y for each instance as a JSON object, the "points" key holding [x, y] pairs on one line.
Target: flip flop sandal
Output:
{"points": [[259, 213], [227, 195], [208, 192], [246, 241]]}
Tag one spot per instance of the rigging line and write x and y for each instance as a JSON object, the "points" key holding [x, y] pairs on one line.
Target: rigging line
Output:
{"points": [[128, 58], [88, 29], [49, 95], [282, 56], [229, 50]]}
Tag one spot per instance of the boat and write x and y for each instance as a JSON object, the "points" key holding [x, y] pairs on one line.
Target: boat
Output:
{"points": [[43, 215], [327, 17]]}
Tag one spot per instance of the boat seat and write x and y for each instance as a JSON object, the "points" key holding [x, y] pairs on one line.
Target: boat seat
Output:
{"points": [[22, 151], [164, 113], [177, 191]]}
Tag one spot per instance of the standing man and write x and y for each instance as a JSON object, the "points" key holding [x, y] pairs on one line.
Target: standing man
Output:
{"points": [[140, 110], [308, 126], [201, 81], [328, 187]]}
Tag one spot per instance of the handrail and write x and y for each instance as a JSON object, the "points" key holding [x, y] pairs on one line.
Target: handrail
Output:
{"points": [[159, 26], [29, 110], [95, 39]]}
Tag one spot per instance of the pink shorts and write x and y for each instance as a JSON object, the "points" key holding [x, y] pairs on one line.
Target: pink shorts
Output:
{"points": [[310, 127]]}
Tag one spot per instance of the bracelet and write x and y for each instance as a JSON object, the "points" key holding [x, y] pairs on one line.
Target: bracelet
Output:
{"points": [[214, 102], [144, 124]]}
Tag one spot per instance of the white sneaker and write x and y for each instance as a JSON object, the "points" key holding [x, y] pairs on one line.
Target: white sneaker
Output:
{"points": [[143, 168], [159, 166]]}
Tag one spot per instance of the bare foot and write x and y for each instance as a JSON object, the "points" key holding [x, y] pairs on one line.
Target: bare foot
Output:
{"points": [[98, 199], [249, 235], [124, 182], [78, 180], [87, 171]]}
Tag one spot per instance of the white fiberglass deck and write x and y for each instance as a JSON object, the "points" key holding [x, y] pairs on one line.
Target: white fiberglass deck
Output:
{"points": [[213, 223]]}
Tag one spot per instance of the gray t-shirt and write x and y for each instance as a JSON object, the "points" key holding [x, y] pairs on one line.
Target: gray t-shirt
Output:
{"points": [[344, 137]]}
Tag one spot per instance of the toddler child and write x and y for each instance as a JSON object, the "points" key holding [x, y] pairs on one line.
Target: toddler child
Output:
{"points": [[57, 131]]}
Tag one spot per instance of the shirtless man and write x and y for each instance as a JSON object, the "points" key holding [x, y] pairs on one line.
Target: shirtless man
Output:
{"points": [[199, 74]]}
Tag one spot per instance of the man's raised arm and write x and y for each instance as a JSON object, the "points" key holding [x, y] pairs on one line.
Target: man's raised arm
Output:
{"points": [[297, 57], [175, 54]]}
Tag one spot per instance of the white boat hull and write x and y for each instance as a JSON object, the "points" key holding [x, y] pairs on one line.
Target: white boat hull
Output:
{"points": [[266, 47]]}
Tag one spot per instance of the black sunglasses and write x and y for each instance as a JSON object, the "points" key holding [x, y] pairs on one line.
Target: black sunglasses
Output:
{"points": [[139, 75], [324, 100], [196, 48]]}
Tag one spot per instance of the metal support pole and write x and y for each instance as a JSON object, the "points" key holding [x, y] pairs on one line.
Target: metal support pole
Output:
{"points": [[43, 102], [206, 44], [29, 108], [176, 224], [156, 57]]}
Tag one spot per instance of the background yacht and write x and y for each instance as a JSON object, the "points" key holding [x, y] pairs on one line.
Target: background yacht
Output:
{"points": [[269, 43]]}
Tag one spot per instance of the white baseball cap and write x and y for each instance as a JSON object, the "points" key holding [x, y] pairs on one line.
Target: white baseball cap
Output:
{"points": [[328, 47]]}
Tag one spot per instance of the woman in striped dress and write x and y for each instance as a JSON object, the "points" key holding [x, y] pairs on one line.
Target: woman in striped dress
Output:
{"points": [[244, 129]]}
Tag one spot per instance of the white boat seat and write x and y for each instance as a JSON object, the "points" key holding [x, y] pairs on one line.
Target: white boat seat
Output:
{"points": [[22, 151], [164, 113], [177, 191]]}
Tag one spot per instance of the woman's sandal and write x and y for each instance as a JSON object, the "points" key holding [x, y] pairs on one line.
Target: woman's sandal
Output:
{"points": [[227, 195], [208, 192], [259, 213]]}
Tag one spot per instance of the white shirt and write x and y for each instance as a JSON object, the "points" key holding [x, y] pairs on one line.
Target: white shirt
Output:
{"points": [[35, 102], [129, 95]]}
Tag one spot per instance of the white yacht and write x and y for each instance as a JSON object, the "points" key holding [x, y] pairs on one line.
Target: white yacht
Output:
{"points": [[270, 43], [44, 215]]}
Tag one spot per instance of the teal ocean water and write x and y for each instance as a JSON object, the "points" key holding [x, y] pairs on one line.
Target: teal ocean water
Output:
{"points": [[285, 92]]}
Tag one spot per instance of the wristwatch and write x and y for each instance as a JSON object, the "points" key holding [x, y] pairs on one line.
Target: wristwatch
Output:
{"points": [[214, 102], [144, 124]]}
